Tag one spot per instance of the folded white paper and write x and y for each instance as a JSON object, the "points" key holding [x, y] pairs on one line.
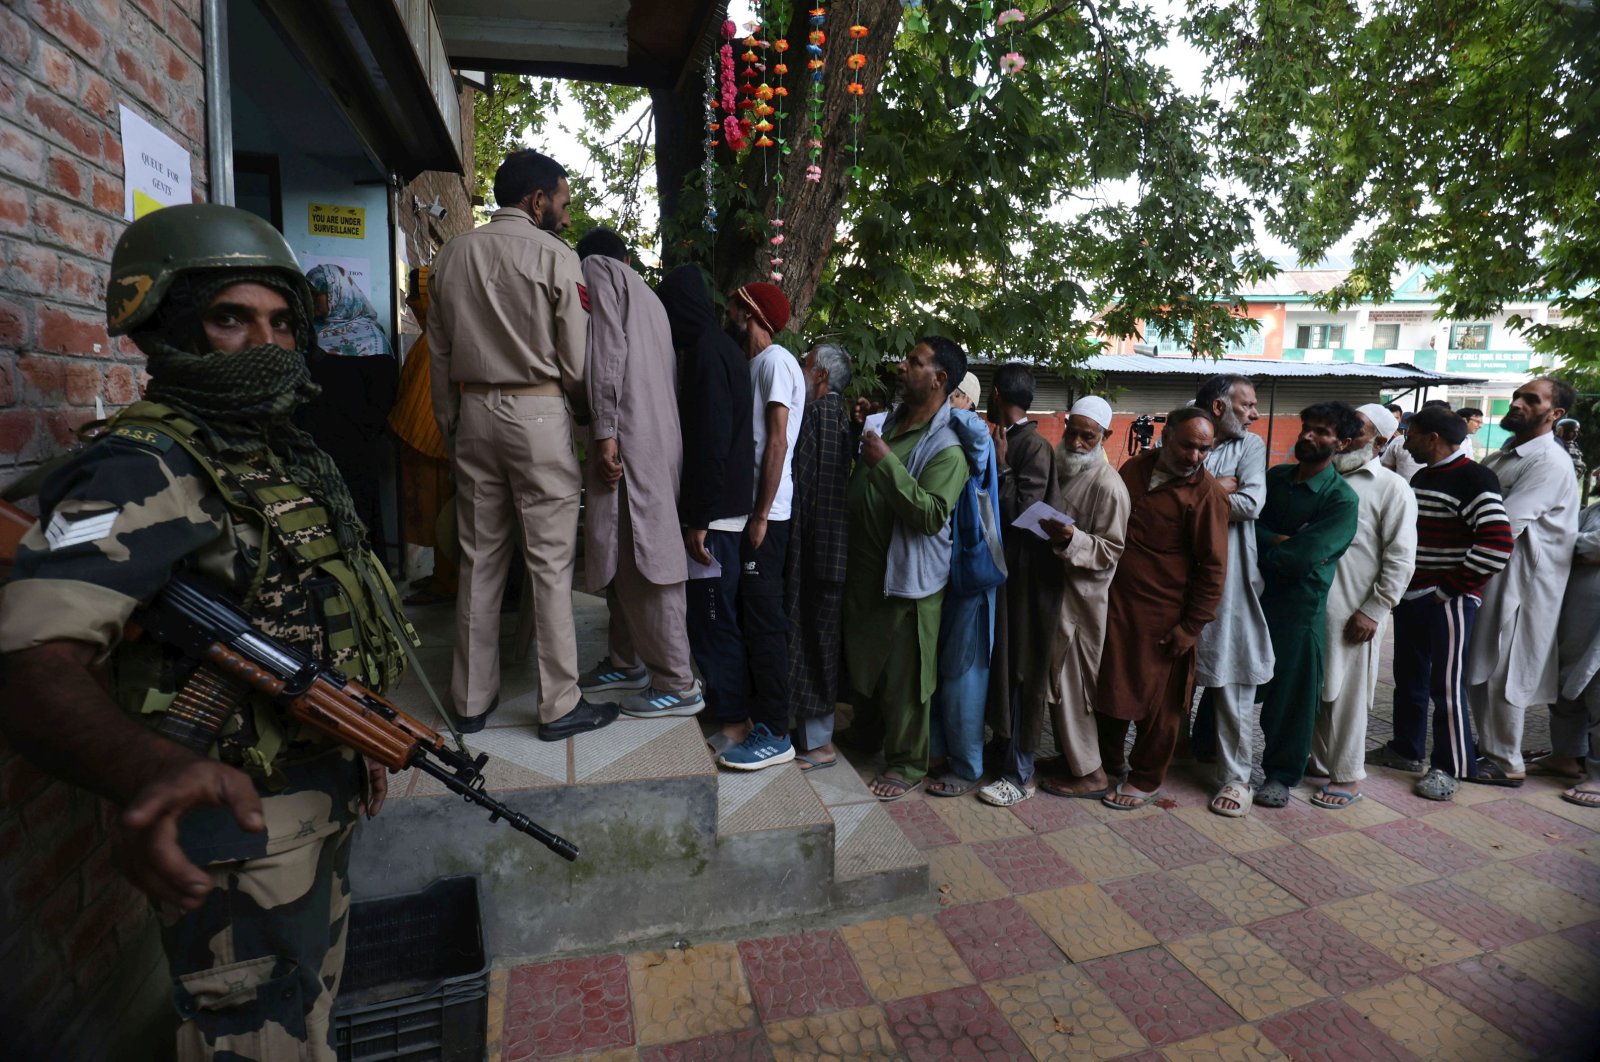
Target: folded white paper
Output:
{"points": [[1034, 516]]}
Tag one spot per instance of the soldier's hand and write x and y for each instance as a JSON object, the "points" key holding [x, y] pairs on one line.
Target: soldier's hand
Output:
{"points": [[1360, 629], [608, 461], [873, 448], [1177, 642], [145, 836]]}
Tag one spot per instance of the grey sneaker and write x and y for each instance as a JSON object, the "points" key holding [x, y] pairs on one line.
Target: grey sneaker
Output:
{"points": [[652, 702], [606, 676]]}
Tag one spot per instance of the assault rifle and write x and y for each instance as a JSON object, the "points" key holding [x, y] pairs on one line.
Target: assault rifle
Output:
{"points": [[235, 659]]}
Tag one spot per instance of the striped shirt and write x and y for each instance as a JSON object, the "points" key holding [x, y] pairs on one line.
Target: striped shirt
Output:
{"points": [[1463, 535]]}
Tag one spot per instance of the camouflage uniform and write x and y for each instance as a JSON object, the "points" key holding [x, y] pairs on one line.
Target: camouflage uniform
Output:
{"points": [[256, 968]]}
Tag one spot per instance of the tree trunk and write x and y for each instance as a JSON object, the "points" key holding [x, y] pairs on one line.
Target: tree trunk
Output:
{"points": [[811, 209]]}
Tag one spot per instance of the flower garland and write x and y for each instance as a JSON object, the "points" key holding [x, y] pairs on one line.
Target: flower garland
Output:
{"points": [[856, 63], [733, 130], [1012, 62], [815, 65]]}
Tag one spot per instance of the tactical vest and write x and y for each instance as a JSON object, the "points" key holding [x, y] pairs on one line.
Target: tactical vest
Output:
{"points": [[298, 587]]}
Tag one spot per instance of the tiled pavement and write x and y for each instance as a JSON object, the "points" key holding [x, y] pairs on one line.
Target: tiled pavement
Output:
{"points": [[1061, 929]]}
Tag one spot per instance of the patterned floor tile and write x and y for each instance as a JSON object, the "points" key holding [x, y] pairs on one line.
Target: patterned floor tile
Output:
{"points": [[499, 776], [1481, 796], [1516, 889], [521, 746], [1236, 835], [1062, 1014], [839, 787], [1494, 839], [998, 939], [1305, 874], [1467, 914], [1239, 892], [847, 1034], [1434, 849], [796, 976], [1362, 813], [641, 748], [1565, 870], [1026, 864], [973, 820], [1394, 790], [1247, 974], [567, 1007], [1097, 853], [1549, 800], [1299, 821], [1430, 1024], [1325, 951], [1242, 1043], [684, 994], [900, 957], [1047, 814], [1166, 1003], [1330, 1031], [1569, 968], [1585, 936], [774, 799], [958, 1023], [920, 825], [1535, 822], [1167, 841], [1084, 922], [867, 841], [1377, 865], [495, 1012], [1518, 1004], [1400, 931], [959, 876], [1165, 906], [744, 1045]]}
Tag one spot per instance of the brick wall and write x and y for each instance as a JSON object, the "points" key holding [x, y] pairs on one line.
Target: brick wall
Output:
{"points": [[76, 941]]}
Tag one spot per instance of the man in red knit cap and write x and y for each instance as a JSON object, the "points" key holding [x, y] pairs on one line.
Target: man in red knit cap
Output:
{"points": [[756, 314]]}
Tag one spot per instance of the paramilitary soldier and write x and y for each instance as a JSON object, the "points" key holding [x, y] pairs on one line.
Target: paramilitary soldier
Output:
{"points": [[244, 851]]}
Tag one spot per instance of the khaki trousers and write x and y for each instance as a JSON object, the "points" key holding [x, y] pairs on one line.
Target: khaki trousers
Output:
{"points": [[648, 624], [515, 467]]}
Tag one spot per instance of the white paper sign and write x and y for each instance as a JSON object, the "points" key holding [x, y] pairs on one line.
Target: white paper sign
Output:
{"points": [[704, 571], [155, 168], [1033, 517], [358, 268]]}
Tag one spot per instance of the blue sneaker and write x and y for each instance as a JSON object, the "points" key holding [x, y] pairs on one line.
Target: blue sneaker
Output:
{"points": [[761, 749]]}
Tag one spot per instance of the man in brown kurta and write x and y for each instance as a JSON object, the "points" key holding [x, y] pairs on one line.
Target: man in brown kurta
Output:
{"points": [[632, 549], [1167, 588]]}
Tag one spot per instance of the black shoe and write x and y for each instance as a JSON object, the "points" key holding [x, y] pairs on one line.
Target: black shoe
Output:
{"points": [[473, 724], [585, 717]]}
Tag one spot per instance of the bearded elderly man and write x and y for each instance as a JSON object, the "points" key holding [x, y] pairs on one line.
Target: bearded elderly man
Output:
{"points": [[1512, 660], [1166, 589], [1234, 655], [1305, 526], [1094, 496], [1370, 579]]}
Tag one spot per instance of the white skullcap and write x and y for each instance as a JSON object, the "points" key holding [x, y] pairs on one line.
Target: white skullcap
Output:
{"points": [[1381, 418], [1095, 408], [969, 387]]}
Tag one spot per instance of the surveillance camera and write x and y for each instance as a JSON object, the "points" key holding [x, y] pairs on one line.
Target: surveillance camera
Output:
{"points": [[438, 209]]}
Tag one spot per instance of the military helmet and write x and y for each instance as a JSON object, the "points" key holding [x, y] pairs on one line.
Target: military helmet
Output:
{"points": [[160, 246]]}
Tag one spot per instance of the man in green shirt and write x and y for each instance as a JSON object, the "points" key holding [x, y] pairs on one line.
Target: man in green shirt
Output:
{"points": [[901, 494], [1306, 524]]}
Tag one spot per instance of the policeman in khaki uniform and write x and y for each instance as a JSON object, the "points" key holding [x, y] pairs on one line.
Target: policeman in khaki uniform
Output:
{"points": [[508, 325], [245, 851]]}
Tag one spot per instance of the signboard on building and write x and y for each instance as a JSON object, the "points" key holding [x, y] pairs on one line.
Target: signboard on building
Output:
{"points": [[1489, 362], [331, 219], [155, 168]]}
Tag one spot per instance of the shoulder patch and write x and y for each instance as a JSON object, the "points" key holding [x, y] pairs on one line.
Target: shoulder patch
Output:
{"points": [[79, 528], [159, 441], [583, 297]]}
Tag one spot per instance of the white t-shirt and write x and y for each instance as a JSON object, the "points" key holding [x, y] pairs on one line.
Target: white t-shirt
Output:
{"points": [[775, 376]]}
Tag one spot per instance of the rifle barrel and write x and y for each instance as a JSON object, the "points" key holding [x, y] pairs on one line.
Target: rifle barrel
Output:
{"points": [[557, 844]]}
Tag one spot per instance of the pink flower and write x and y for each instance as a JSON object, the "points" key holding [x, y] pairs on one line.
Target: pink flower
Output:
{"points": [[777, 241], [776, 276], [814, 173], [777, 223], [813, 143], [1011, 62], [1009, 15], [729, 30]]}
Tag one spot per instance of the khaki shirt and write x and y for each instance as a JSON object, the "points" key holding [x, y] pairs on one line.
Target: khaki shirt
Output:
{"points": [[507, 310]]}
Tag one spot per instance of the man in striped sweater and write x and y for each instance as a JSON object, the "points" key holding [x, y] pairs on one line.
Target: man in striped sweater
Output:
{"points": [[1463, 539]]}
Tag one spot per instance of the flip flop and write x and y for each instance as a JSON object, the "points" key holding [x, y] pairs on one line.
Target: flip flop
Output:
{"points": [[807, 763], [1240, 794], [900, 785], [1584, 798], [1057, 789], [950, 785], [1537, 768], [1139, 801], [1320, 798]]}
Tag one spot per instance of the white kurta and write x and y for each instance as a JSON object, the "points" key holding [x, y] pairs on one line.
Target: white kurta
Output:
{"points": [[1517, 622], [1372, 575], [1578, 648], [1235, 647]]}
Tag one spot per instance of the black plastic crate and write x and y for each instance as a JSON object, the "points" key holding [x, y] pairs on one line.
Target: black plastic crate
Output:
{"points": [[416, 979]]}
